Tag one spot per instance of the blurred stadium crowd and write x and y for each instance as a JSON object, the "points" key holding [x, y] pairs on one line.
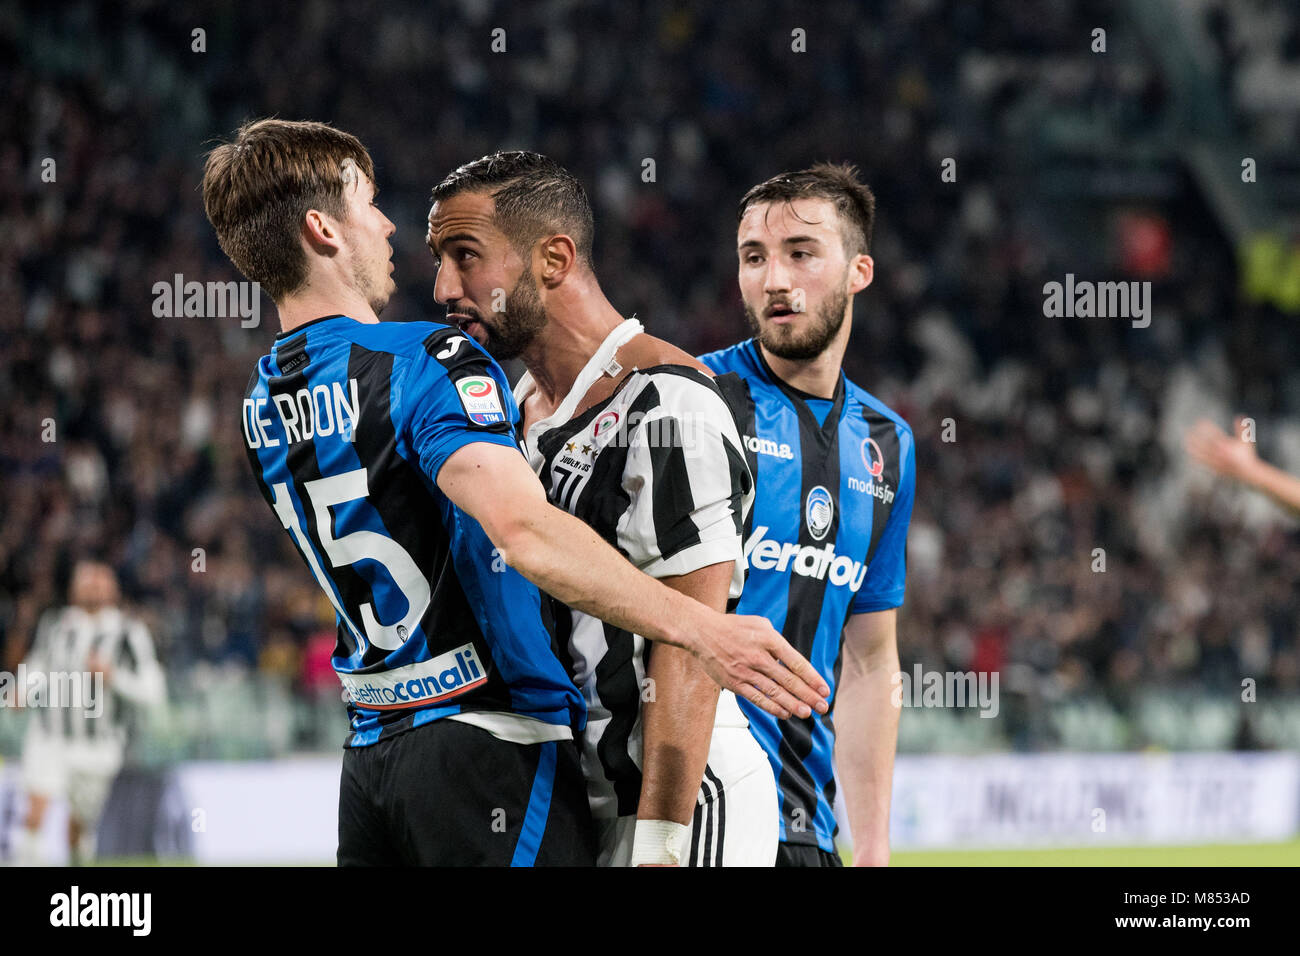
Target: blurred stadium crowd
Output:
{"points": [[1040, 440]]}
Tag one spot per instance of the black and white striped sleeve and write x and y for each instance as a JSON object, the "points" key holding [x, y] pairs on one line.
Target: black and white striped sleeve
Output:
{"points": [[137, 676], [686, 478]]}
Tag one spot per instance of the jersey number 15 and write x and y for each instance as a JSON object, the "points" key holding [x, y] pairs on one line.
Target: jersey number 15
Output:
{"points": [[324, 493]]}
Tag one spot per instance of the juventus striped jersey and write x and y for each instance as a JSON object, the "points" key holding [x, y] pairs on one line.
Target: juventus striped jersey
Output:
{"points": [[347, 425], [656, 470], [825, 540], [76, 707]]}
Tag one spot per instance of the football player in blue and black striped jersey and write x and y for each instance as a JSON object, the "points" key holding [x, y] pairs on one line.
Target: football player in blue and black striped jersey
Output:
{"points": [[387, 452], [834, 472]]}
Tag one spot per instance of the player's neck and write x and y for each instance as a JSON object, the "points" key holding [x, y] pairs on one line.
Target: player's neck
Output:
{"points": [[317, 301], [574, 332], [816, 376]]}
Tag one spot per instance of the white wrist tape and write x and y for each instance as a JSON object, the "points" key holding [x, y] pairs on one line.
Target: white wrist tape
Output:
{"points": [[659, 841]]}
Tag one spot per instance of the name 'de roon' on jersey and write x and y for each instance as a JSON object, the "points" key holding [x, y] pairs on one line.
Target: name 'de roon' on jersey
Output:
{"points": [[825, 539], [347, 425]]}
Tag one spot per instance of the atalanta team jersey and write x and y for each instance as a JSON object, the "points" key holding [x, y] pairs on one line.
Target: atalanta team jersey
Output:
{"points": [[347, 425], [825, 539]]}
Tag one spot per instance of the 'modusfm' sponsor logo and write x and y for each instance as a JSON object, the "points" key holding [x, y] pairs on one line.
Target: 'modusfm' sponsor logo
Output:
{"points": [[819, 511], [874, 461], [766, 446], [821, 563], [418, 684]]}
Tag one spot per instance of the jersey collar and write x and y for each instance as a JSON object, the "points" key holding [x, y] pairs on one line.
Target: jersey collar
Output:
{"points": [[836, 399], [283, 336], [593, 370]]}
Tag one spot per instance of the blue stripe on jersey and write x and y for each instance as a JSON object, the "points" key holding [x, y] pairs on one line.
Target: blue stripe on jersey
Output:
{"points": [[539, 808], [366, 736], [820, 407], [772, 547]]}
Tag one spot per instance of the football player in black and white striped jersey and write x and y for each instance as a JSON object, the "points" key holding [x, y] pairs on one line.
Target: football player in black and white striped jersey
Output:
{"points": [[635, 437], [96, 667]]}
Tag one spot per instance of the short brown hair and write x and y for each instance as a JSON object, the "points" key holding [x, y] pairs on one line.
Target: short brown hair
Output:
{"points": [[853, 200], [533, 195], [257, 190]]}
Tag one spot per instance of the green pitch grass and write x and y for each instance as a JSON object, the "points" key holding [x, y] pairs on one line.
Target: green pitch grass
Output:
{"points": [[1228, 854]]}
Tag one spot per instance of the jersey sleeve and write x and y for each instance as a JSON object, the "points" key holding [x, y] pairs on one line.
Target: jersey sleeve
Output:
{"points": [[453, 394], [713, 361], [137, 675], [884, 584], [687, 480]]}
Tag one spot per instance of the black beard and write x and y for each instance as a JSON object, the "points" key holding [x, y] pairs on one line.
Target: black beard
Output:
{"points": [[513, 329], [815, 339]]}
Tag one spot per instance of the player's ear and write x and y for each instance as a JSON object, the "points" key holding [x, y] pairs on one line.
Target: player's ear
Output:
{"points": [[559, 257], [320, 231], [861, 271]]}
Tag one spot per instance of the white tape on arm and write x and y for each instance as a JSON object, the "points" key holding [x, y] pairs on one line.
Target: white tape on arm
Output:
{"points": [[659, 841]]}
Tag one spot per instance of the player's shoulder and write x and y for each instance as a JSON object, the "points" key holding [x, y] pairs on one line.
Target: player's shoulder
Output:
{"points": [[673, 374], [647, 352], [414, 340], [430, 354], [736, 358], [871, 409]]}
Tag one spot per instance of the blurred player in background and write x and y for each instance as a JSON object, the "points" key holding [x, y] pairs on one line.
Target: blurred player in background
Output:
{"points": [[1235, 457], [387, 452], [74, 750], [835, 473], [630, 434]]}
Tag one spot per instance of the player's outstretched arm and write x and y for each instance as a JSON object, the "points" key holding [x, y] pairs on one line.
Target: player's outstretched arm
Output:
{"points": [[1235, 457], [567, 559]]}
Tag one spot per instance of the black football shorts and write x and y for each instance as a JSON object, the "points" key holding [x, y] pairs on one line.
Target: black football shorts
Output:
{"points": [[451, 794]]}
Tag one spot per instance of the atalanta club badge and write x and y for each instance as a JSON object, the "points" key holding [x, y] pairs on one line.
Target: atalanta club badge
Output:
{"points": [[818, 512]]}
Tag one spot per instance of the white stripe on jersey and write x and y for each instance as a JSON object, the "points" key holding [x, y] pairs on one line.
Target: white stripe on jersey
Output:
{"points": [[665, 438]]}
